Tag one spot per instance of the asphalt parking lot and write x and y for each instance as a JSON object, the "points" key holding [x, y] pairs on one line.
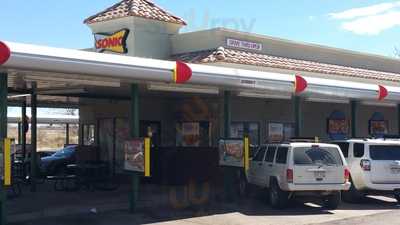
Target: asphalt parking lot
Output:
{"points": [[375, 210]]}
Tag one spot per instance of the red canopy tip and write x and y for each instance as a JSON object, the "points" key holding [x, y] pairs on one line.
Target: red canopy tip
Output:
{"points": [[4, 53]]}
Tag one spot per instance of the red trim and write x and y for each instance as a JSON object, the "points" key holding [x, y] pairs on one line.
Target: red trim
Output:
{"points": [[382, 93], [183, 72], [4, 53], [300, 84]]}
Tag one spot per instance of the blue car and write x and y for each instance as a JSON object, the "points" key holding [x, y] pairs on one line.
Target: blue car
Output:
{"points": [[56, 163]]}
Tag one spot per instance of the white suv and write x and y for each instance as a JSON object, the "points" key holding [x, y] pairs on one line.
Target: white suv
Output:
{"points": [[374, 167], [300, 170]]}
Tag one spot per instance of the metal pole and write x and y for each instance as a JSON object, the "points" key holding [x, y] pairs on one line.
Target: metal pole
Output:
{"points": [[33, 175], [19, 132], [134, 130], [353, 112], [398, 119], [297, 115], [24, 124], [3, 135], [227, 114], [67, 134]]}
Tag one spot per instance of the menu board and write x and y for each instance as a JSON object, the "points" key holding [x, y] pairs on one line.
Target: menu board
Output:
{"points": [[378, 127], [231, 152], [337, 126], [275, 132], [134, 155]]}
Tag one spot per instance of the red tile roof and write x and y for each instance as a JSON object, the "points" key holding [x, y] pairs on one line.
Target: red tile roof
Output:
{"points": [[140, 8], [248, 58]]}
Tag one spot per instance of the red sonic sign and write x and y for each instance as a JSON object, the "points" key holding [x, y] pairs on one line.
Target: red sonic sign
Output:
{"points": [[112, 42]]}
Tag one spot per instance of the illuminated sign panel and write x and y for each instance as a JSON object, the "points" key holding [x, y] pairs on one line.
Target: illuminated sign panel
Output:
{"points": [[112, 42]]}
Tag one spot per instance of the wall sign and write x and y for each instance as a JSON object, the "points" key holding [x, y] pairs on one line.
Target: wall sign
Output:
{"points": [[378, 126], [137, 155], [337, 125], [231, 152], [230, 42], [113, 42]]}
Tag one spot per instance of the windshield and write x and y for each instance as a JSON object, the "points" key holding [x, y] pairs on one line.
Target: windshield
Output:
{"points": [[65, 152], [384, 152], [328, 156]]}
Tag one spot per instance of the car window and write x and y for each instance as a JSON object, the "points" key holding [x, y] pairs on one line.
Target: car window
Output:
{"points": [[358, 150], [260, 154], [384, 152], [281, 155], [269, 157], [317, 156], [65, 152], [344, 146]]}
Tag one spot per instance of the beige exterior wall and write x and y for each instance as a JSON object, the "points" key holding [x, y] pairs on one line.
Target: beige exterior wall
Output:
{"points": [[210, 39]]}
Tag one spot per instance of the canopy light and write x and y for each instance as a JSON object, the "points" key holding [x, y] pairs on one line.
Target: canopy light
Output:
{"points": [[62, 91], [18, 96], [181, 88], [328, 100], [263, 95], [74, 81], [376, 103]]}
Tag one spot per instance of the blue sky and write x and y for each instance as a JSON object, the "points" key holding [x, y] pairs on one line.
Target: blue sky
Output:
{"points": [[368, 26]]}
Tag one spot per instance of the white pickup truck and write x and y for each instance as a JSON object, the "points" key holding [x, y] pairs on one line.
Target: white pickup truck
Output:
{"points": [[300, 170]]}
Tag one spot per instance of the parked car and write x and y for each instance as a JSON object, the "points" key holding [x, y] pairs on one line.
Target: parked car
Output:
{"points": [[300, 169], [56, 163], [374, 167]]}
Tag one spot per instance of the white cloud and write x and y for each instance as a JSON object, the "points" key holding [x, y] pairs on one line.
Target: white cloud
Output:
{"points": [[373, 25], [365, 11], [370, 20]]}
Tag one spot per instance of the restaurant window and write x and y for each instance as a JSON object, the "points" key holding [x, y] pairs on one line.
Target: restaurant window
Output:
{"points": [[73, 134], [251, 129], [193, 134], [12, 131], [278, 132], [88, 134], [50, 136]]}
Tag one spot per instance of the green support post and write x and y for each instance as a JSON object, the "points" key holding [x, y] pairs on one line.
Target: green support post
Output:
{"points": [[33, 157], [229, 172], [398, 119], [227, 114], [3, 135], [353, 112], [23, 134], [134, 130], [297, 115]]}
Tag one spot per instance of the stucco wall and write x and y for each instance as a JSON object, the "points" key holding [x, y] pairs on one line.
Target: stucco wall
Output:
{"points": [[169, 110]]}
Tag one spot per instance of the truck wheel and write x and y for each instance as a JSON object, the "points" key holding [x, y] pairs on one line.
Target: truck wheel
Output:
{"points": [[352, 195], [332, 201], [277, 197]]}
